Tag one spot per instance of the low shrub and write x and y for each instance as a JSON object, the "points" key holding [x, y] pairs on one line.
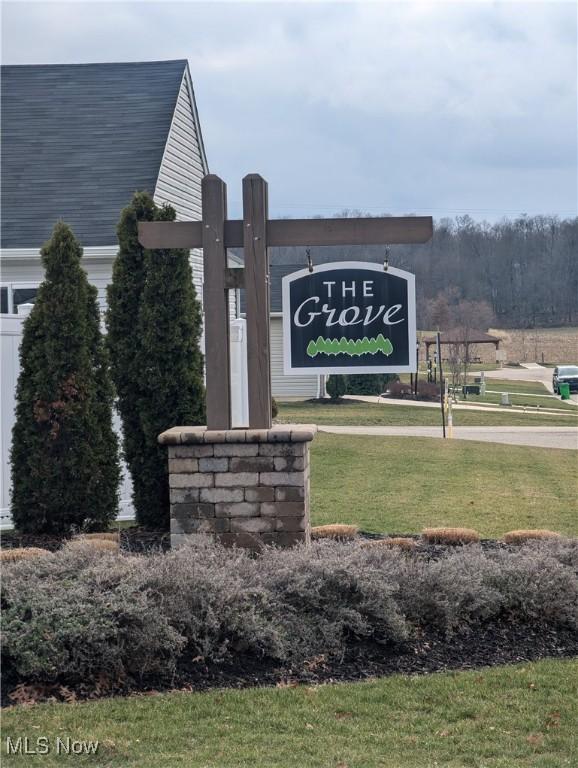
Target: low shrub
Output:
{"points": [[399, 389], [79, 615], [450, 535], [84, 616], [336, 386], [536, 586], [563, 550], [369, 383], [329, 597], [469, 586], [450, 592], [334, 531], [401, 542], [427, 390], [523, 536]]}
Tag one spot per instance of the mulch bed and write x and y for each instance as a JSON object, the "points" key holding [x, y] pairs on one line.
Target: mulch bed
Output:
{"points": [[435, 551], [134, 539], [139, 540], [487, 646]]}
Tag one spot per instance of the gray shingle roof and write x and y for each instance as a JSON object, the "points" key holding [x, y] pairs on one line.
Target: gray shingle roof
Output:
{"points": [[77, 141]]}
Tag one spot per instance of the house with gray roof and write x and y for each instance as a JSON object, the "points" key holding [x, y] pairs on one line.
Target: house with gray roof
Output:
{"points": [[77, 141]]}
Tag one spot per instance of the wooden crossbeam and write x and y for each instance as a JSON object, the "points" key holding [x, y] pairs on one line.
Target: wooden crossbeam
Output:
{"points": [[389, 230]]}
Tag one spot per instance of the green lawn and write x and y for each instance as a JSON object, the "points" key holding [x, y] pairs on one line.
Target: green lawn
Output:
{"points": [[494, 397], [519, 391], [359, 413], [521, 716], [401, 485], [505, 385]]}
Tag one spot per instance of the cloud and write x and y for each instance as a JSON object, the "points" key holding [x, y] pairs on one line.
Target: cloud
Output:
{"points": [[466, 105]]}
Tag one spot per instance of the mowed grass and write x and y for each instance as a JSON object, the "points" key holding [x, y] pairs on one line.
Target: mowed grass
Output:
{"points": [[517, 398], [362, 414], [401, 484], [528, 393], [511, 717], [514, 386]]}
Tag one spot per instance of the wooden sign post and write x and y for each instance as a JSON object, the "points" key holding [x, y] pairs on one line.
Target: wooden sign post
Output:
{"points": [[255, 234]]}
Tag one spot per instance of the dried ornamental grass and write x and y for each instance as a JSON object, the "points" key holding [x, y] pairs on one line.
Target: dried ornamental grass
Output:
{"points": [[522, 536], [21, 553], [334, 531], [101, 545], [105, 536], [400, 542], [450, 535]]}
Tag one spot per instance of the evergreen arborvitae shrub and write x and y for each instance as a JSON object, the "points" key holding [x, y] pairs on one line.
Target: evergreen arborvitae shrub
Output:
{"points": [[106, 477], [336, 386], [154, 325], [170, 369], [124, 296], [65, 469]]}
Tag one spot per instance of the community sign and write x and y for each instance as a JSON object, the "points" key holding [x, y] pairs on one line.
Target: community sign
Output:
{"points": [[349, 317]]}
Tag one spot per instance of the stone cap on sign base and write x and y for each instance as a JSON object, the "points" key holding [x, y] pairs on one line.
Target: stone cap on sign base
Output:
{"points": [[284, 433]]}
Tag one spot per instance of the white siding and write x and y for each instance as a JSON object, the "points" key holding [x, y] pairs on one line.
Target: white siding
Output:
{"points": [[182, 169], [26, 268], [287, 386]]}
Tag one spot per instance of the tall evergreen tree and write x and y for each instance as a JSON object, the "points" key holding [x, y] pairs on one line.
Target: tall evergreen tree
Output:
{"points": [[106, 476], [171, 368], [64, 460], [154, 329], [124, 296]]}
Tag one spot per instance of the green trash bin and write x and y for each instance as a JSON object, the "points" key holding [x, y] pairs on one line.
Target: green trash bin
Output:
{"points": [[564, 390]]}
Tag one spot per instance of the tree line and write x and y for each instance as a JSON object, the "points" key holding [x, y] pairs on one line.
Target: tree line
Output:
{"points": [[524, 270]]}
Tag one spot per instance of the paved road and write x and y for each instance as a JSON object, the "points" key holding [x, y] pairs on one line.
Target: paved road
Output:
{"points": [[541, 437]]}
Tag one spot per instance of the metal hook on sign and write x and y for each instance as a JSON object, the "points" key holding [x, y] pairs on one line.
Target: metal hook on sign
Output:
{"points": [[309, 260], [386, 259]]}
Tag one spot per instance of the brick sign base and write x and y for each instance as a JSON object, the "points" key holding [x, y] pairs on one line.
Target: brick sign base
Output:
{"points": [[247, 487]]}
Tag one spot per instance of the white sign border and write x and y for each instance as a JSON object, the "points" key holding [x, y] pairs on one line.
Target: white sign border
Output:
{"points": [[286, 281]]}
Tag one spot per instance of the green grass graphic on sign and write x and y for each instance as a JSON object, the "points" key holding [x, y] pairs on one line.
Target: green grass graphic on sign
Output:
{"points": [[351, 347]]}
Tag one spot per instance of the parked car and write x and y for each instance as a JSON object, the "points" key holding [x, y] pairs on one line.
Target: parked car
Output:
{"points": [[565, 374]]}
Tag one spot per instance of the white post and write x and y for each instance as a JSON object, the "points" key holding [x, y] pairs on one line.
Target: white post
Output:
{"points": [[24, 310], [239, 377]]}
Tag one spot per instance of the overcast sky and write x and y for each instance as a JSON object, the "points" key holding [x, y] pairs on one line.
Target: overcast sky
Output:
{"points": [[399, 107]]}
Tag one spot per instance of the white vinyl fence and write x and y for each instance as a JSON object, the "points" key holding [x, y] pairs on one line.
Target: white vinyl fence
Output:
{"points": [[10, 336]]}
